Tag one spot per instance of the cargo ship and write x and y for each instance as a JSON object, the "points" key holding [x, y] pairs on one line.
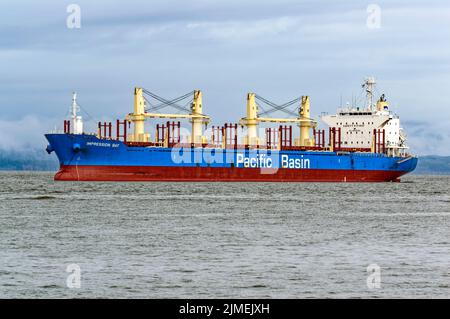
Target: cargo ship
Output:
{"points": [[357, 144]]}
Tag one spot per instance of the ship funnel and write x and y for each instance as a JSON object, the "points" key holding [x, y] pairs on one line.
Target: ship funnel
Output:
{"points": [[382, 104]]}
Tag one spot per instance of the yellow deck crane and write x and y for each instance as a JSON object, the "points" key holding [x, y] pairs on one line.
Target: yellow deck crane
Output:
{"points": [[303, 119], [139, 115]]}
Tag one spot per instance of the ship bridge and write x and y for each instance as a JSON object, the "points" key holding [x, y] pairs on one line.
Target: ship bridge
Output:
{"points": [[361, 126]]}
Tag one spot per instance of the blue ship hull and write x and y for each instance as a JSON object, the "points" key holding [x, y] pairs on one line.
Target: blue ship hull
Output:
{"points": [[88, 158]]}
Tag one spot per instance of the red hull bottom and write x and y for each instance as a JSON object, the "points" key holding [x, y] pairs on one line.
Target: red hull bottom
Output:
{"points": [[209, 174]]}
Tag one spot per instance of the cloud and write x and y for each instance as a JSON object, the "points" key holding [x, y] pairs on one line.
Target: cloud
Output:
{"points": [[243, 30], [25, 133], [428, 138], [278, 49]]}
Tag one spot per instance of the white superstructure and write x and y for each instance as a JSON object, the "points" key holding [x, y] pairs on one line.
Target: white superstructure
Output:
{"points": [[358, 124]]}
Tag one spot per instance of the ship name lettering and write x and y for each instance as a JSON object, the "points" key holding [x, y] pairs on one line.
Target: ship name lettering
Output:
{"points": [[301, 162]]}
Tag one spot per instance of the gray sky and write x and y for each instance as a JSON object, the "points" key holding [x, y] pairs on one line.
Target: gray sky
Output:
{"points": [[279, 49]]}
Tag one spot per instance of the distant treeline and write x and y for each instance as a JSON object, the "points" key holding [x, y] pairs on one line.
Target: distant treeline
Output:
{"points": [[434, 165], [28, 160], [39, 160]]}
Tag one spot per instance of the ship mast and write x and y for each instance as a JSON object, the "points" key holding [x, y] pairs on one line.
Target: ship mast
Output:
{"points": [[76, 119], [75, 108], [369, 85]]}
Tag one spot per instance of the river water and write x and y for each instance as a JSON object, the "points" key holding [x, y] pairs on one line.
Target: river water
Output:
{"points": [[223, 240]]}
